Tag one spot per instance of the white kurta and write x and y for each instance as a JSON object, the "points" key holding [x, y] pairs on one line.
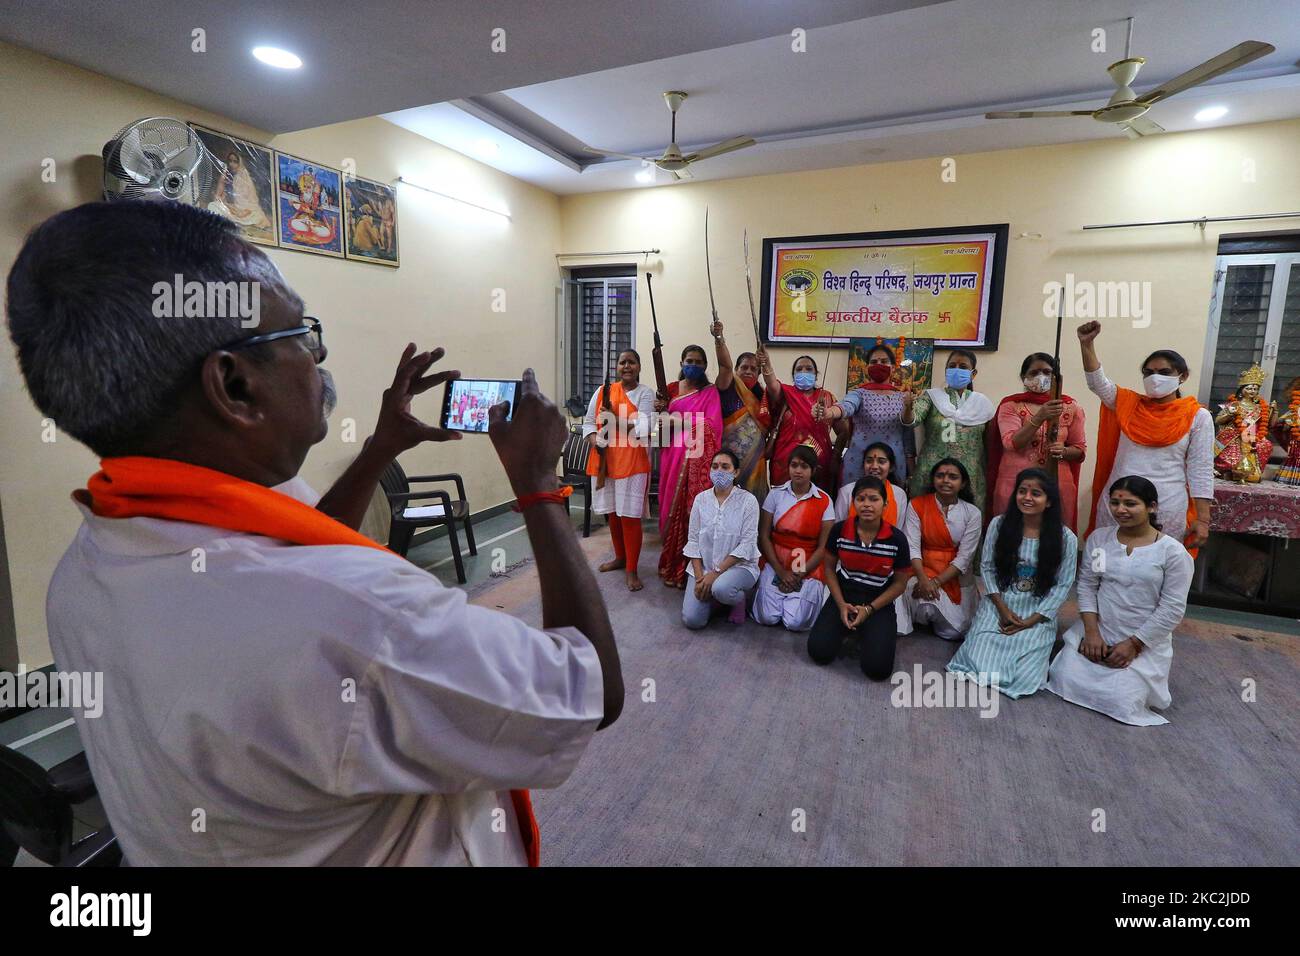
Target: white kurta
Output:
{"points": [[844, 503], [1141, 595], [949, 619], [797, 611], [625, 497], [326, 705], [1188, 462]]}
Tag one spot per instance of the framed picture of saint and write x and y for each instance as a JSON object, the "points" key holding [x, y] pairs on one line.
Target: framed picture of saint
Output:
{"points": [[370, 221], [244, 190], [309, 210]]}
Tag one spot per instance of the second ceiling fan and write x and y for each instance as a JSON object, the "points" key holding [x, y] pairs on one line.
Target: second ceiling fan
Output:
{"points": [[1126, 109]]}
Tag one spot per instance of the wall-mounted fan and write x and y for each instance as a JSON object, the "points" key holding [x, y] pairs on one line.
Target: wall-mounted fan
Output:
{"points": [[159, 158], [1126, 109], [673, 160]]}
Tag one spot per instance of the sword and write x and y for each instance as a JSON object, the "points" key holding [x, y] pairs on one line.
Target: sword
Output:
{"points": [[749, 287], [708, 271]]}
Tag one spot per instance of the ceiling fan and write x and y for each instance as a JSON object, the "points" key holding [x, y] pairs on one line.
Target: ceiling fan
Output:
{"points": [[1126, 109], [673, 160]]}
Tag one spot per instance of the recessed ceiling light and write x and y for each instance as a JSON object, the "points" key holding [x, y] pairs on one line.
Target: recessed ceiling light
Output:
{"points": [[486, 148], [646, 175], [1210, 113], [274, 56]]}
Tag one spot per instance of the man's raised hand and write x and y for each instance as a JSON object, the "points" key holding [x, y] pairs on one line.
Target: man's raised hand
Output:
{"points": [[397, 430]]}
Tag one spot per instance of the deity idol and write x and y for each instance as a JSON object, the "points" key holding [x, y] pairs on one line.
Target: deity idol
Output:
{"points": [[1242, 445]]}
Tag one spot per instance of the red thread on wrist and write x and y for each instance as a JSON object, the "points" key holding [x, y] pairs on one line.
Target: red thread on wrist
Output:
{"points": [[527, 501]]}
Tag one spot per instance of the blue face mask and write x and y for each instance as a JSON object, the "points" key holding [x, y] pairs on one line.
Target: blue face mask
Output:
{"points": [[959, 377], [692, 373], [722, 479], [805, 380]]}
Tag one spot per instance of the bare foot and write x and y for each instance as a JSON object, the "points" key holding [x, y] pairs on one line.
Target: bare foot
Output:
{"points": [[613, 565], [634, 582]]}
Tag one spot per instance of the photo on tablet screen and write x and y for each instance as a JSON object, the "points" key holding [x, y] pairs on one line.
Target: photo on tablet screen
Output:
{"points": [[466, 404]]}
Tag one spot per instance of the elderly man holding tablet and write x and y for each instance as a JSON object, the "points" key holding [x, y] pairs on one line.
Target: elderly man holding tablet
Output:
{"points": [[278, 688]]}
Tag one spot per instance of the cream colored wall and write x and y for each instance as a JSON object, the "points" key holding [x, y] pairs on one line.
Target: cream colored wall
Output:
{"points": [[1051, 190], [453, 257]]}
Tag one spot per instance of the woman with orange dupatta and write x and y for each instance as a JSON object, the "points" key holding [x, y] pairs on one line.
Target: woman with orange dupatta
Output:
{"points": [[621, 439], [1035, 430], [792, 410], [1162, 436], [792, 530], [746, 417], [943, 533], [693, 435]]}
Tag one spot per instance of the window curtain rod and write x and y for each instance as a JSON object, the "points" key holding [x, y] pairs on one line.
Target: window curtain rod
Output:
{"points": [[1199, 222], [625, 252]]}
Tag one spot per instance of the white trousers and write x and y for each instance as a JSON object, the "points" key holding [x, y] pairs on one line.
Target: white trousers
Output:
{"points": [[795, 612]]}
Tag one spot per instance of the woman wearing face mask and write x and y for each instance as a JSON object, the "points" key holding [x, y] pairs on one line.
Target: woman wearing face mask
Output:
{"points": [[874, 409], [1160, 435], [877, 462], [746, 417], [943, 534], [1035, 430], [1028, 569], [693, 434], [871, 566], [952, 421], [792, 530], [792, 410], [1132, 594], [624, 436], [721, 546]]}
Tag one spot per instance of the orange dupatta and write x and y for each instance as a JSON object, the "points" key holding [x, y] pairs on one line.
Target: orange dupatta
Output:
{"points": [[1146, 422], [798, 531], [626, 454], [162, 488], [937, 547]]}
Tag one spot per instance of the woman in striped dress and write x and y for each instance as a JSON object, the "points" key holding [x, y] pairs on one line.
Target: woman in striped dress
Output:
{"points": [[1028, 570]]}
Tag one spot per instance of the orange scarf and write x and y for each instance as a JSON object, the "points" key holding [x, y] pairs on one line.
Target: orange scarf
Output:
{"points": [[798, 531], [623, 458], [1145, 422], [937, 547], [161, 488]]}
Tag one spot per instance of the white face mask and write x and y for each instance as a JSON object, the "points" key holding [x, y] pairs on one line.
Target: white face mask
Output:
{"points": [[1158, 386], [1038, 383]]}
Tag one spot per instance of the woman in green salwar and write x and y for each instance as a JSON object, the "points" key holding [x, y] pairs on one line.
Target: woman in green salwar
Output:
{"points": [[952, 421]]}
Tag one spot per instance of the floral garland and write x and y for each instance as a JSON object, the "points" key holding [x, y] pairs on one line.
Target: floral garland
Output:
{"points": [[1295, 412]]}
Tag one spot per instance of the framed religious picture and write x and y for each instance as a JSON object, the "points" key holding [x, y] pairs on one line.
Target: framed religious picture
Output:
{"points": [[309, 208], [244, 191], [944, 285], [370, 221], [913, 361]]}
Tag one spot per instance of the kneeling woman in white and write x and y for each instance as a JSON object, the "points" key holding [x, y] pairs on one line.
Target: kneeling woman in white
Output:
{"points": [[792, 531], [721, 546], [943, 534], [1132, 594]]}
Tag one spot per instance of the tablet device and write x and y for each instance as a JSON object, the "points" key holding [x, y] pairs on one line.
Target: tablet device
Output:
{"points": [[466, 401]]}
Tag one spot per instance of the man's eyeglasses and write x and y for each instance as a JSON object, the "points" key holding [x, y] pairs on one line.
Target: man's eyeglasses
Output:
{"points": [[311, 328]]}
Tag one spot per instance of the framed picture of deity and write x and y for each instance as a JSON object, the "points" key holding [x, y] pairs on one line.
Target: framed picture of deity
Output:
{"points": [[942, 285], [370, 221], [309, 210], [244, 190]]}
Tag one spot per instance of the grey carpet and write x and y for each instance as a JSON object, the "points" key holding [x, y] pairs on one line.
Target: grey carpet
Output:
{"points": [[745, 730]]}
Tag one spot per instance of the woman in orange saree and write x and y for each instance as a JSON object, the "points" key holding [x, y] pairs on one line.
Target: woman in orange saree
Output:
{"points": [[746, 417]]}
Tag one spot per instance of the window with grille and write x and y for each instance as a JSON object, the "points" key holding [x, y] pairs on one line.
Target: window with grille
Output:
{"points": [[602, 317], [1254, 319]]}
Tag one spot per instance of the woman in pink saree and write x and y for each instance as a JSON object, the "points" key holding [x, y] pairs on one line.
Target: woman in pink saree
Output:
{"points": [[691, 437]]}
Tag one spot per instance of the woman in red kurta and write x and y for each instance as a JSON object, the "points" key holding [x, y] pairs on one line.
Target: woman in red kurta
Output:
{"points": [[792, 409]]}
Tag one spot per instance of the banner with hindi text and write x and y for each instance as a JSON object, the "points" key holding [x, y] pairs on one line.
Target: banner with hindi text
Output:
{"points": [[940, 284]]}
